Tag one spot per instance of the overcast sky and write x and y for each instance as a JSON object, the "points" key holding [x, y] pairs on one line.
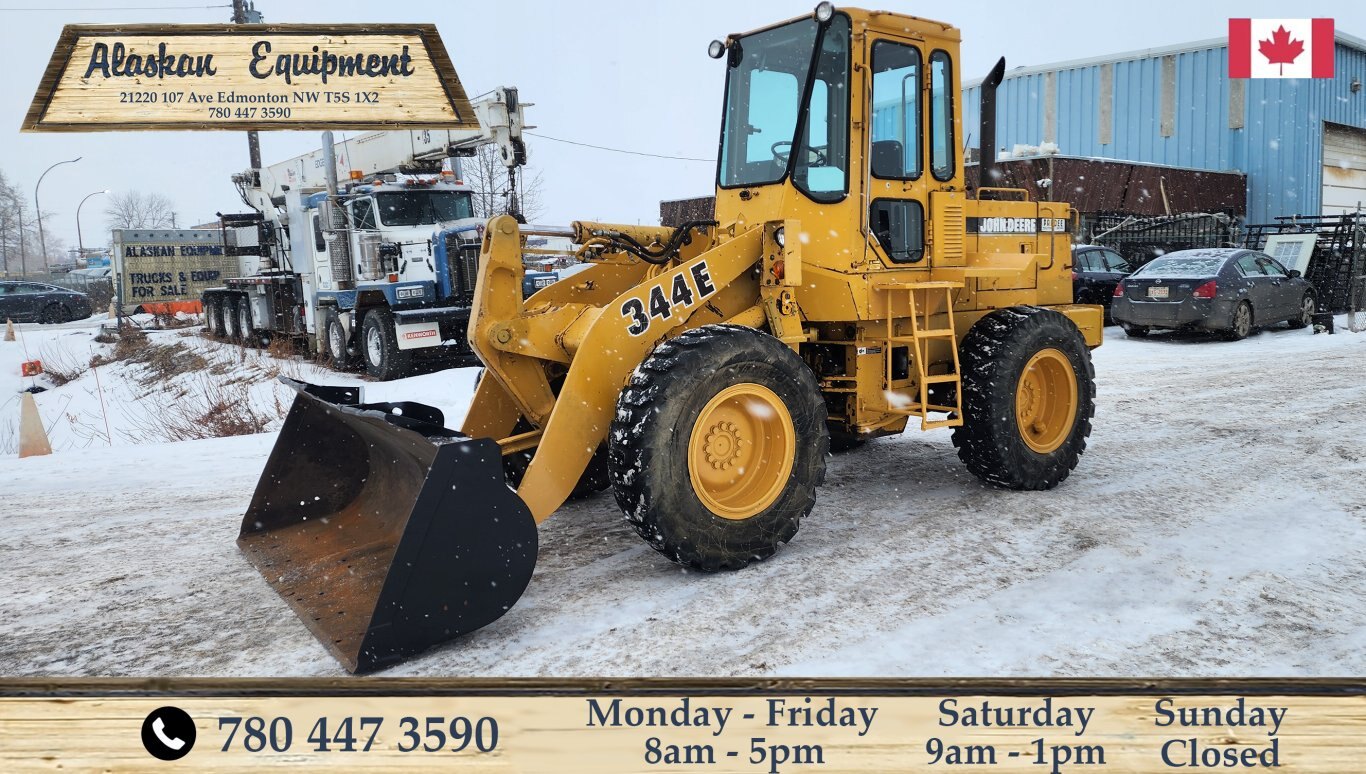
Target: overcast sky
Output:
{"points": [[630, 74]]}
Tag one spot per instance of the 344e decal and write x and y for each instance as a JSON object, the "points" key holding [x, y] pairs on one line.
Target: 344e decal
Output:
{"points": [[663, 300]]}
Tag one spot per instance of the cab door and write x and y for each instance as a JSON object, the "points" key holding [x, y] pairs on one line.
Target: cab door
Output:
{"points": [[896, 157]]}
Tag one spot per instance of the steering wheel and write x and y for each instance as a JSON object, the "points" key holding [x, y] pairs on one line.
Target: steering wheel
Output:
{"points": [[782, 156]]}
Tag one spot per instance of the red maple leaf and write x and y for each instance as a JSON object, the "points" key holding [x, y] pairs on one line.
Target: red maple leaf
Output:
{"points": [[1281, 48]]}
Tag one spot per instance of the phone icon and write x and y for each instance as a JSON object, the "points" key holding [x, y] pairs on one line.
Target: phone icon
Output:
{"points": [[159, 728], [168, 733]]}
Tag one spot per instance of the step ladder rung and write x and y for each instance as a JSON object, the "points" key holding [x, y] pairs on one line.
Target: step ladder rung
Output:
{"points": [[935, 333], [941, 379]]}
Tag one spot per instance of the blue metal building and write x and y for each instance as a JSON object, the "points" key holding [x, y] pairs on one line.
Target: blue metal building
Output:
{"points": [[1301, 142]]}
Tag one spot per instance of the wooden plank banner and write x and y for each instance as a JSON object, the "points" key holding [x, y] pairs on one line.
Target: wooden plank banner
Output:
{"points": [[252, 76], [375, 724]]}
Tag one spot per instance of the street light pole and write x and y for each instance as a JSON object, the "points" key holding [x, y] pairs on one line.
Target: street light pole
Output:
{"points": [[80, 240], [38, 209]]}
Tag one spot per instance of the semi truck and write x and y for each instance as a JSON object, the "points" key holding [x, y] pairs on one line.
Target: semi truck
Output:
{"points": [[366, 249]]}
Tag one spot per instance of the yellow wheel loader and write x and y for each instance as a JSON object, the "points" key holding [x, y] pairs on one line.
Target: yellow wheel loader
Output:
{"points": [[850, 284]]}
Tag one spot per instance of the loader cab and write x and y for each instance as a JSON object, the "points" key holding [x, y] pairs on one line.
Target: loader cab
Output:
{"points": [[844, 117]]}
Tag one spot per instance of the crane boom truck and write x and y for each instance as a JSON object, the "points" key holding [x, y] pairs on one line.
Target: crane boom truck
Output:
{"points": [[852, 285], [365, 248]]}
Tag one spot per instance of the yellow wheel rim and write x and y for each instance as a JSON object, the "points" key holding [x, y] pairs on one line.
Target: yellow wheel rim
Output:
{"points": [[740, 451], [1046, 401]]}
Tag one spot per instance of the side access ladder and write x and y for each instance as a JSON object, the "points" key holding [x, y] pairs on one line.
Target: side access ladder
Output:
{"points": [[921, 297]]}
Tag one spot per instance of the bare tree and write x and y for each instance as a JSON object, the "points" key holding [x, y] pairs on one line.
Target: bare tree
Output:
{"points": [[492, 194], [138, 209], [18, 237]]}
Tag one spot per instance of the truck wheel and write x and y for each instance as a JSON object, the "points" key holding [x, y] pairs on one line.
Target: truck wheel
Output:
{"points": [[244, 326], [213, 316], [335, 345], [1028, 397], [232, 321], [379, 347], [717, 447]]}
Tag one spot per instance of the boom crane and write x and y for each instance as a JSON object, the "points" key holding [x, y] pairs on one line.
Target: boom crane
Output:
{"points": [[355, 247]]}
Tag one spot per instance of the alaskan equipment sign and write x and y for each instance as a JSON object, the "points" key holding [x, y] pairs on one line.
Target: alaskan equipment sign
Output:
{"points": [[168, 270], [257, 76]]}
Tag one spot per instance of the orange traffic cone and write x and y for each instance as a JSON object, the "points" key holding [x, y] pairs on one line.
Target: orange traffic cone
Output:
{"points": [[32, 436], [9, 330]]}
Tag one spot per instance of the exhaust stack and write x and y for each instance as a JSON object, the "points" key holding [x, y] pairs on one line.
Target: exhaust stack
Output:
{"points": [[986, 162]]}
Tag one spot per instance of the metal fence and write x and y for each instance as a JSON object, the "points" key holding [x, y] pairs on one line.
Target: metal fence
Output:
{"points": [[1336, 265], [1142, 239]]}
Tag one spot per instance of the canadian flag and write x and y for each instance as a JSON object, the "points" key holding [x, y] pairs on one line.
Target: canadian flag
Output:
{"points": [[1280, 48]]}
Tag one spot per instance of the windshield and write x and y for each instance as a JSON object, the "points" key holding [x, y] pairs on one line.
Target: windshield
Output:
{"points": [[1206, 266], [415, 208], [763, 91]]}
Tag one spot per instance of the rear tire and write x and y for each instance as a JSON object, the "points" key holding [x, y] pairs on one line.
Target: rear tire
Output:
{"points": [[1240, 323], [213, 316], [379, 347], [718, 446], [1135, 331], [1028, 397], [1306, 316], [245, 329], [232, 321]]}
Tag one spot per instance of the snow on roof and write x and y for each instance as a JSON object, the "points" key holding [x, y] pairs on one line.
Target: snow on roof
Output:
{"points": [[1146, 53]]}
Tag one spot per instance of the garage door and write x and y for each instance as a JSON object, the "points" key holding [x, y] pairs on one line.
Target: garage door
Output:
{"points": [[1344, 169]]}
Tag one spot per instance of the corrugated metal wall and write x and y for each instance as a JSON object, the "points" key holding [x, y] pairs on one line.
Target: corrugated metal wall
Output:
{"points": [[1275, 136]]}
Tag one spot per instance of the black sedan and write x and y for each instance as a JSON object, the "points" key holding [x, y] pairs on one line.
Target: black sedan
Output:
{"points": [[1228, 290], [1095, 272], [37, 302]]}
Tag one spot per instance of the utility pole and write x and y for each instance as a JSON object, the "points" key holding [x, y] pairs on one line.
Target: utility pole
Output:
{"points": [[244, 12]]}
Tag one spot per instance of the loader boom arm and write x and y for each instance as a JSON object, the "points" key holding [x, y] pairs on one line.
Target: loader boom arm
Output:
{"points": [[607, 341]]}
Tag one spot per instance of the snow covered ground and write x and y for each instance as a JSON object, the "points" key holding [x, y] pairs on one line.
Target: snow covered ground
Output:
{"points": [[1215, 526]]}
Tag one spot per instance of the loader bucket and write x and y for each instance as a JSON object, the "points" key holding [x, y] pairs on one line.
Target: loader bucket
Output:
{"points": [[386, 532]]}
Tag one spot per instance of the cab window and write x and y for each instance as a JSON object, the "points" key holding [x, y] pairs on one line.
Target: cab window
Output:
{"points": [[941, 117], [895, 149], [899, 225], [823, 153], [363, 214]]}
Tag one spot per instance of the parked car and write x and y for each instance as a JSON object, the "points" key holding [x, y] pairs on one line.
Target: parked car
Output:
{"points": [[1095, 272], [1229, 290], [38, 302]]}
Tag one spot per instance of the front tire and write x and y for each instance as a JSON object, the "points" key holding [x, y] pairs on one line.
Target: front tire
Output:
{"points": [[1306, 315], [55, 314], [379, 347], [718, 446], [335, 344], [1028, 397]]}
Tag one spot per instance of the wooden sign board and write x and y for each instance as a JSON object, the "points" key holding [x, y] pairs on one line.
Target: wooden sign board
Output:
{"points": [[249, 77]]}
